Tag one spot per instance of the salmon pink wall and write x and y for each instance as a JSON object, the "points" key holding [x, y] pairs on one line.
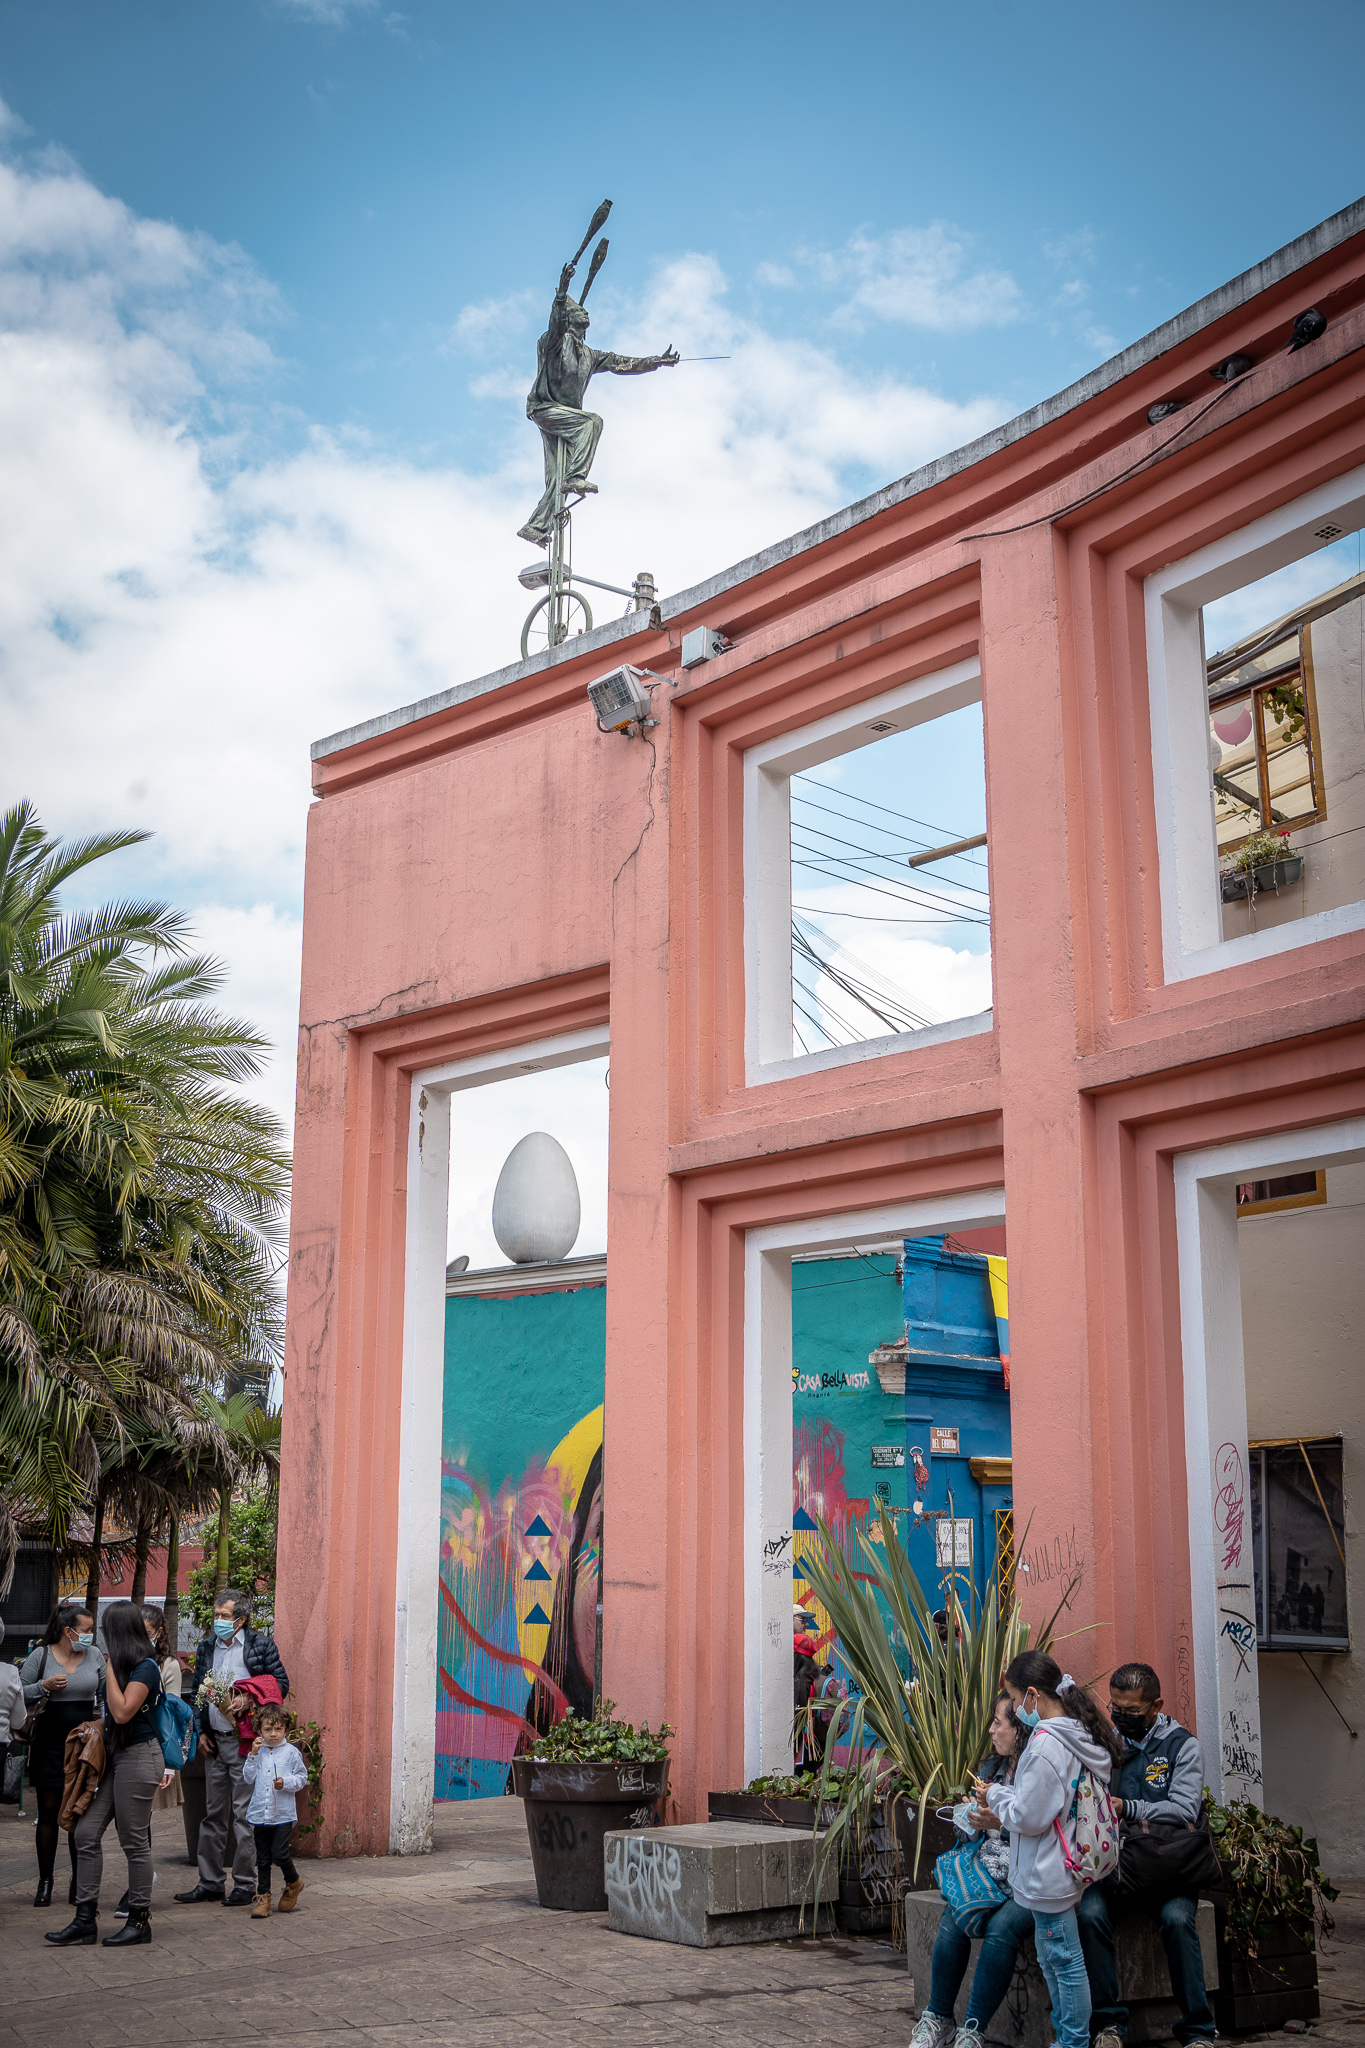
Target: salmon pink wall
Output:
{"points": [[497, 871]]}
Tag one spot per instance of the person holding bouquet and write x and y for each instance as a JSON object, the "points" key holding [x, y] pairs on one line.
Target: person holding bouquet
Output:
{"points": [[234, 1651]]}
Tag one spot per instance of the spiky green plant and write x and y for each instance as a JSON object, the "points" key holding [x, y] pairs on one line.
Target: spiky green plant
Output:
{"points": [[920, 1737]]}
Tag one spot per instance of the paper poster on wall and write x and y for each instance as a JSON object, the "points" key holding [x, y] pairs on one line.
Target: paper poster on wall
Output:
{"points": [[953, 1542]]}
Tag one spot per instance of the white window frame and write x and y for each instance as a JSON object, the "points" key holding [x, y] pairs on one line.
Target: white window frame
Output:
{"points": [[768, 769], [1191, 909], [1226, 1679], [412, 1789], [768, 1591]]}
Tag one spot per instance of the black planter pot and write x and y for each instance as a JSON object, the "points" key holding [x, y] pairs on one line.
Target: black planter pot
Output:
{"points": [[1280, 1984], [570, 1809], [1272, 874], [938, 1836]]}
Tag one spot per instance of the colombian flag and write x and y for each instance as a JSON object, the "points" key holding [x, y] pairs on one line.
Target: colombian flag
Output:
{"points": [[1000, 1301]]}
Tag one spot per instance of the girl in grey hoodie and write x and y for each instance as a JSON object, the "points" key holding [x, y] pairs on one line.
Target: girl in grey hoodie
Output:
{"points": [[1069, 1734]]}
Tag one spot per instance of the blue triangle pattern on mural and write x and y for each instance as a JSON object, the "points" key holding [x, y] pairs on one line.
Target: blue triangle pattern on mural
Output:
{"points": [[799, 1570], [538, 1616], [801, 1520], [539, 1528], [537, 1571]]}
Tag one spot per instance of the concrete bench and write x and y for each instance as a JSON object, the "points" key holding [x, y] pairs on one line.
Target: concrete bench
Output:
{"points": [[1024, 2017], [714, 1884]]}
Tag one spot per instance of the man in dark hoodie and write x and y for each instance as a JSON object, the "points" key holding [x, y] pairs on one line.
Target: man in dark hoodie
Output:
{"points": [[1160, 1778]]}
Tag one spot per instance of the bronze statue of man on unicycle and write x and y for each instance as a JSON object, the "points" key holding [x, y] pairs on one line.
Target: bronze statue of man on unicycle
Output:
{"points": [[564, 364]]}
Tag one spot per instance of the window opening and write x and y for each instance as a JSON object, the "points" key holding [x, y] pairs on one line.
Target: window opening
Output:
{"points": [[1286, 738], [1288, 1191], [1298, 1526], [891, 886]]}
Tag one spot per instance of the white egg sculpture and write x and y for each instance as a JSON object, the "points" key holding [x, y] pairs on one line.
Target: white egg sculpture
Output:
{"points": [[536, 1210]]}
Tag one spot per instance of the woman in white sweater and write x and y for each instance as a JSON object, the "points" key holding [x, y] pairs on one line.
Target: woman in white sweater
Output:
{"points": [[1070, 1735]]}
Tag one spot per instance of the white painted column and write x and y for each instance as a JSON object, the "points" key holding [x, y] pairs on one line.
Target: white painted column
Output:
{"points": [[417, 1591], [1222, 1588], [767, 1510]]}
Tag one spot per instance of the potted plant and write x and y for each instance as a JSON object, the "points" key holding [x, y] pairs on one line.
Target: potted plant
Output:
{"points": [[1274, 1901], [1264, 861], [584, 1779], [929, 1730]]}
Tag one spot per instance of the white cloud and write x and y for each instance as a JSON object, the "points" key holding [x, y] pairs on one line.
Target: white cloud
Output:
{"points": [[492, 323], [916, 277], [193, 585]]}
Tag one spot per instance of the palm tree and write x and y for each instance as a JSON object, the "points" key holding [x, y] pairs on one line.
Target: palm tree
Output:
{"points": [[252, 1434], [140, 1193]]}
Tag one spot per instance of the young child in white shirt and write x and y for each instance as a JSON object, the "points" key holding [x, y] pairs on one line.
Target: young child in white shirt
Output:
{"points": [[275, 1772]]}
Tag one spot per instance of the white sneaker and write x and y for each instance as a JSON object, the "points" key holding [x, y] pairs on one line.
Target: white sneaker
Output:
{"points": [[1108, 2038], [933, 2032], [969, 2034]]}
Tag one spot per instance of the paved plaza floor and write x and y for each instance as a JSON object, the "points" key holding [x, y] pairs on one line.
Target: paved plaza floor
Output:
{"points": [[453, 1949]]}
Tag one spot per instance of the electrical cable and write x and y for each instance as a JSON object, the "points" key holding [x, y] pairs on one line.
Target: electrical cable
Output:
{"points": [[870, 825], [876, 853], [853, 797], [1050, 518]]}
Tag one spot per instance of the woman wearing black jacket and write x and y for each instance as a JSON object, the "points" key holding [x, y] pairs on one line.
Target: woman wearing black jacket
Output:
{"points": [[133, 1770]]}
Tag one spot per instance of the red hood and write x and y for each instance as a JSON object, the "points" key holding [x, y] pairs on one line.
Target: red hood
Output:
{"points": [[266, 1693]]}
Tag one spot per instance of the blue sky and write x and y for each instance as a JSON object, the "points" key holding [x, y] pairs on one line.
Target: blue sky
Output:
{"points": [[271, 274], [385, 166]]}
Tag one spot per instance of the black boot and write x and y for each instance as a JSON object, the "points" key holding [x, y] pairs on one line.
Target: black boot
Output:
{"points": [[137, 1927], [121, 1909], [43, 1895], [84, 1928]]}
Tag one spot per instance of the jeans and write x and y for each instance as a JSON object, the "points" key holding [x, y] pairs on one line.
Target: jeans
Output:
{"points": [[1063, 1966], [1005, 1929], [1099, 1913], [124, 1794], [272, 1846], [226, 1797]]}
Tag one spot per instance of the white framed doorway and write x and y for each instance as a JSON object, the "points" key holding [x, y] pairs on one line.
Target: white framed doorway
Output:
{"points": [[768, 1251], [417, 1592], [1222, 1589]]}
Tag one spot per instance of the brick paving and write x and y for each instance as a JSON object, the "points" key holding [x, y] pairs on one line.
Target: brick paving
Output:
{"points": [[452, 1948]]}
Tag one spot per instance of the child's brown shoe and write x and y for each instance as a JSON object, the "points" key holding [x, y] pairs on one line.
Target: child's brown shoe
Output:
{"points": [[289, 1897], [260, 1909]]}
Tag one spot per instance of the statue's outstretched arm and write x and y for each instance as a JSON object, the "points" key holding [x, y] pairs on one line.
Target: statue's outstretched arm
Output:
{"points": [[633, 366]]}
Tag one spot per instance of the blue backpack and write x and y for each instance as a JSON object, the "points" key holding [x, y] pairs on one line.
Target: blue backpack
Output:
{"points": [[177, 1731]]}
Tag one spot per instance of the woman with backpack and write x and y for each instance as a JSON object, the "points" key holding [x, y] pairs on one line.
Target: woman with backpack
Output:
{"points": [[134, 1768], [1006, 1928], [1063, 1774]]}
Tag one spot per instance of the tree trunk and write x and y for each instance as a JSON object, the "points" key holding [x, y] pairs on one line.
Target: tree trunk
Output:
{"points": [[172, 1607], [92, 1583], [220, 1576], [141, 1547]]}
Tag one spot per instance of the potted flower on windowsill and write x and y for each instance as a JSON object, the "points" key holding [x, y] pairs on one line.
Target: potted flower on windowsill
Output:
{"points": [[1264, 861], [584, 1779]]}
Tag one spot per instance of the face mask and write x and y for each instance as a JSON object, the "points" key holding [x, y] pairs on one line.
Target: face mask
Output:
{"points": [[1133, 1727], [224, 1630], [1029, 1720], [84, 1642]]}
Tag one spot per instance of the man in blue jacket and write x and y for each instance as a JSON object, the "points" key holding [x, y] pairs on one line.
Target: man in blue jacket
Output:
{"points": [[234, 1650], [1160, 1779]]}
